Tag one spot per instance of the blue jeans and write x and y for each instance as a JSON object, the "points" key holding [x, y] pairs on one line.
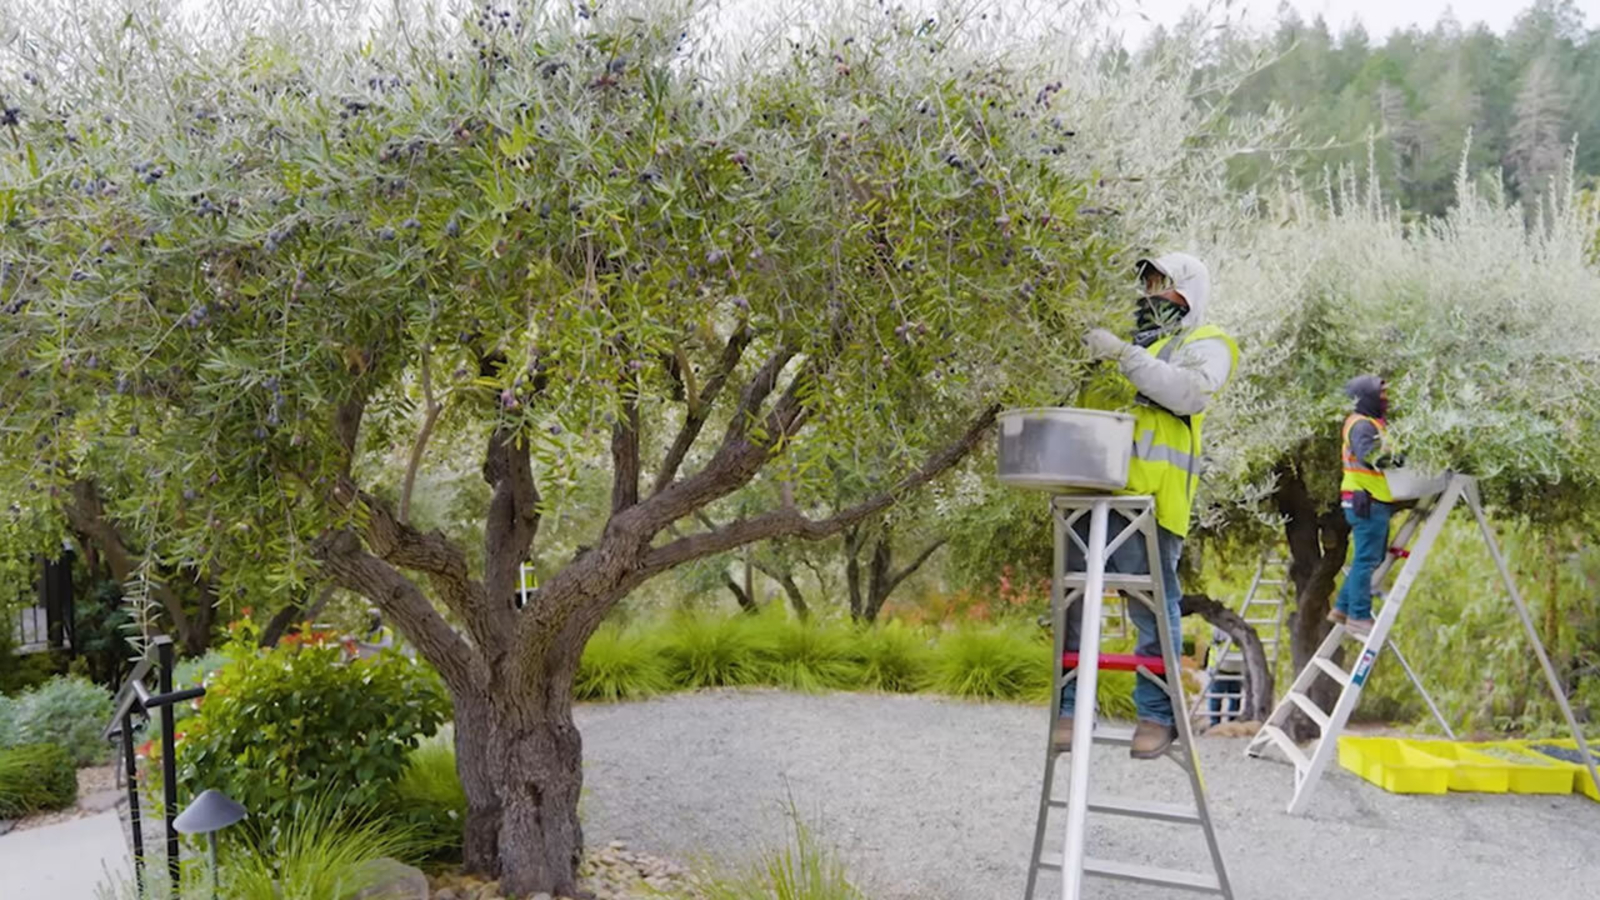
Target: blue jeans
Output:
{"points": [[1151, 700], [1227, 706], [1372, 544]]}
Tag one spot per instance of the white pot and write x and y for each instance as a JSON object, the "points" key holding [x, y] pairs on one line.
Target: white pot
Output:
{"points": [[1061, 449]]}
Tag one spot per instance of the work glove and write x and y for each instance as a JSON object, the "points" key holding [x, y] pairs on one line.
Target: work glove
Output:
{"points": [[1103, 344], [1361, 504], [1391, 461]]}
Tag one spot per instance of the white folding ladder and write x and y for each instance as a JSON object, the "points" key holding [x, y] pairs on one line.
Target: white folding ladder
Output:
{"points": [[1308, 769], [1265, 604], [1087, 587]]}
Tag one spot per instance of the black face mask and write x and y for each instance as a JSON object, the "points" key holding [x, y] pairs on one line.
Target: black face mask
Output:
{"points": [[1154, 317]]}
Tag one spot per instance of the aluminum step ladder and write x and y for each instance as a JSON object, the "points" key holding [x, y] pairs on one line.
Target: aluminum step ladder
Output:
{"points": [[1089, 586], [1424, 525], [1265, 606]]}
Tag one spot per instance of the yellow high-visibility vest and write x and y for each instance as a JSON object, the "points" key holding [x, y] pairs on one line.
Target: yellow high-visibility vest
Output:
{"points": [[1166, 447], [1358, 477]]}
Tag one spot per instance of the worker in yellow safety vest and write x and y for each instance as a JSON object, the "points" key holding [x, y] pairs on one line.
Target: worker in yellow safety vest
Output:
{"points": [[1364, 495], [1168, 373]]}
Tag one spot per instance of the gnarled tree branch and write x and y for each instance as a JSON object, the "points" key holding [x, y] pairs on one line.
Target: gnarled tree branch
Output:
{"points": [[511, 524], [430, 416], [700, 404], [786, 521], [625, 458], [353, 568]]}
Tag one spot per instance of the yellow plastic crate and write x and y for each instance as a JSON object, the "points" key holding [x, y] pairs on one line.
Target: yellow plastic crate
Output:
{"points": [[1582, 781], [1471, 770], [1535, 773], [1395, 767]]}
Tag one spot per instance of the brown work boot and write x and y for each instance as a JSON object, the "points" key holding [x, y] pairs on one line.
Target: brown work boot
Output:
{"points": [[1151, 739], [1061, 739], [1337, 616], [1361, 628]]}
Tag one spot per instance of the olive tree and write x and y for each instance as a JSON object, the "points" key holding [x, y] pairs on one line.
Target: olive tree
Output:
{"points": [[1484, 325], [268, 254]]}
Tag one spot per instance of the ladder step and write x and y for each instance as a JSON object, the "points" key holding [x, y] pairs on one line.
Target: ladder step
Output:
{"points": [[1261, 621], [1290, 750], [1113, 580], [1138, 809], [1272, 581], [1311, 709], [1145, 809], [1189, 881], [1332, 670]]}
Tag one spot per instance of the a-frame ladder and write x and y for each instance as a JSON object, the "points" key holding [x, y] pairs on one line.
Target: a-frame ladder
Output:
{"points": [[1263, 609], [1309, 767], [1086, 588]]}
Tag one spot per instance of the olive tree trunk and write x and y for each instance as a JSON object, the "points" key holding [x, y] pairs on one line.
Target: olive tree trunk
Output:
{"points": [[509, 667], [1318, 538]]}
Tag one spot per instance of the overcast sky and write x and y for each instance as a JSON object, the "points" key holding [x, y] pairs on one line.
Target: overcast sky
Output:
{"points": [[1379, 16]]}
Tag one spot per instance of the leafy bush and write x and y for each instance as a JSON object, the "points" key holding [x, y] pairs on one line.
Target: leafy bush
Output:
{"points": [[34, 778], [621, 664], [710, 651], [69, 712], [282, 727], [806, 656], [893, 658], [1005, 663], [428, 796]]}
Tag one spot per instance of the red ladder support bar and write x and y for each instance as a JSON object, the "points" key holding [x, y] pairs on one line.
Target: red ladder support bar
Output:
{"points": [[1121, 662]]}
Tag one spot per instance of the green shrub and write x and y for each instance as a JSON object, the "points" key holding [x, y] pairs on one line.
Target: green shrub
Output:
{"points": [[1004, 663], [712, 651], [67, 711], [324, 852], [35, 778], [805, 656], [428, 796], [893, 658], [281, 727], [621, 664]]}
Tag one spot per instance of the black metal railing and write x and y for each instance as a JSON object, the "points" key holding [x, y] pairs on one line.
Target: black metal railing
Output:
{"points": [[134, 698]]}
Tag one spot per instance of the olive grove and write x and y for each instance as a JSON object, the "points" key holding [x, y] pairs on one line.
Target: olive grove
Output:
{"points": [[251, 259]]}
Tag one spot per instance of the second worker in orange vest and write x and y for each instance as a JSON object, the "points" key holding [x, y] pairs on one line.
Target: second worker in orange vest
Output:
{"points": [[1364, 494]]}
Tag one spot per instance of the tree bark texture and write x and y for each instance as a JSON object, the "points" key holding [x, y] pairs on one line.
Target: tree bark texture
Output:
{"points": [[1319, 539], [510, 670], [1258, 681], [882, 578]]}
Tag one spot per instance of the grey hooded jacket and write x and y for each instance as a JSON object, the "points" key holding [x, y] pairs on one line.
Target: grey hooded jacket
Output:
{"points": [[1184, 384]]}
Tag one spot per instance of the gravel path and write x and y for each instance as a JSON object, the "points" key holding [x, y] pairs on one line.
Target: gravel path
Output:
{"points": [[935, 799]]}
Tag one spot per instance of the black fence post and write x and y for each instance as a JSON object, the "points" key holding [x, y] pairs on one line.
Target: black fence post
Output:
{"points": [[133, 801], [169, 764]]}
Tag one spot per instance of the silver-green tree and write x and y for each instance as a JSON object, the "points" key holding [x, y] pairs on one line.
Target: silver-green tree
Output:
{"points": [[246, 262]]}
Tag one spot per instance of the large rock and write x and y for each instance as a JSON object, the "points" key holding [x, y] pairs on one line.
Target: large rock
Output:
{"points": [[393, 880]]}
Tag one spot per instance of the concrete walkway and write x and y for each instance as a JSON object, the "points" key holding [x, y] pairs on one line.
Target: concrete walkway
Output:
{"points": [[67, 861]]}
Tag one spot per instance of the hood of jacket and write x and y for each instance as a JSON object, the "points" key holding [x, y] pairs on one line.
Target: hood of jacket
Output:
{"points": [[1367, 392], [1190, 278]]}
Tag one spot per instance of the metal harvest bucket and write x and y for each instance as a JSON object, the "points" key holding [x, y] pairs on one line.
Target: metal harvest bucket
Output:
{"points": [[1414, 484], [1059, 449]]}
